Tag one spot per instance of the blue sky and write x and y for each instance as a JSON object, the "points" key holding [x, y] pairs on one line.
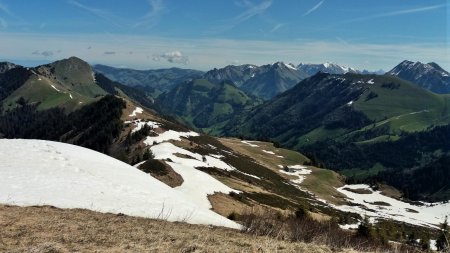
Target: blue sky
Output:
{"points": [[203, 34]]}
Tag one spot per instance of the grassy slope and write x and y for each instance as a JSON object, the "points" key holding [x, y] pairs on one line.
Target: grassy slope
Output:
{"points": [[407, 108], [204, 105], [50, 229], [36, 90], [321, 182]]}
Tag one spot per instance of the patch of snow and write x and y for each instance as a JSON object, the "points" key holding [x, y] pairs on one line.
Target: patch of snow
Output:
{"points": [[169, 135], [370, 81], [280, 166], [35, 172], [297, 170], [433, 245], [350, 103], [430, 214], [137, 110], [197, 185], [300, 167], [53, 86], [250, 144], [139, 124], [268, 152], [291, 66], [349, 226], [70, 95], [39, 79], [280, 156]]}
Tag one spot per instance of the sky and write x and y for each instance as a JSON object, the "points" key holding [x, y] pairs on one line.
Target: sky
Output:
{"points": [[206, 34]]}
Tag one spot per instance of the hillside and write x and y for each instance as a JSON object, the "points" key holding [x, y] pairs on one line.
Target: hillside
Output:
{"points": [[205, 105], [322, 115], [159, 79], [429, 76], [325, 106], [68, 83]]}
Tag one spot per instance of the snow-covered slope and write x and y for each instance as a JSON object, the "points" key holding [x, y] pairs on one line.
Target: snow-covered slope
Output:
{"points": [[374, 204], [36, 172]]}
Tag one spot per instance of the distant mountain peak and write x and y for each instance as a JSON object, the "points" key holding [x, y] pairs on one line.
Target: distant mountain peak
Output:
{"points": [[430, 76], [327, 67], [5, 66]]}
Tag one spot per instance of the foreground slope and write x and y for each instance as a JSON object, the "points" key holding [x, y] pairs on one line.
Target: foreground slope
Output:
{"points": [[35, 172], [62, 230]]}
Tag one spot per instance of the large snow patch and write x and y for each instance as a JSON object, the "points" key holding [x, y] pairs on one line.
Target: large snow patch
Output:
{"points": [[36, 172]]}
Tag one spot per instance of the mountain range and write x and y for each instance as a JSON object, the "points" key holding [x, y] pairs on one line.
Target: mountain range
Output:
{"points": [[264, 81]]}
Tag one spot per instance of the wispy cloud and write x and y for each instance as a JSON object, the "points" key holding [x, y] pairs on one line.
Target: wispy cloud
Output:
{"points": [[103, 14], [251, 11], [152, 17], [109, 52], [314, 8], [3, 23], [4, 8], [398, 13], [276, 27]]}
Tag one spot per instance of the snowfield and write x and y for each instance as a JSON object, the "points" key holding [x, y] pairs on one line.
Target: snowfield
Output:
{"points": [[36, 172], [377, 206]]}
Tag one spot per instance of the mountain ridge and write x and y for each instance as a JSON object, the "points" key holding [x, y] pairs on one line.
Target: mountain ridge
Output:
{"points": [[427, 75]]}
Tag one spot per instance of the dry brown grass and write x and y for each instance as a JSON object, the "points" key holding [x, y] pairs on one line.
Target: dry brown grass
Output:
{"points": [[225, 205], [48, 229]]}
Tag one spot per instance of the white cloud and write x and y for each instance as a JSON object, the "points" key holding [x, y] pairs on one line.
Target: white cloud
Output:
{"points": [[314, 8], [172, 57]]}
